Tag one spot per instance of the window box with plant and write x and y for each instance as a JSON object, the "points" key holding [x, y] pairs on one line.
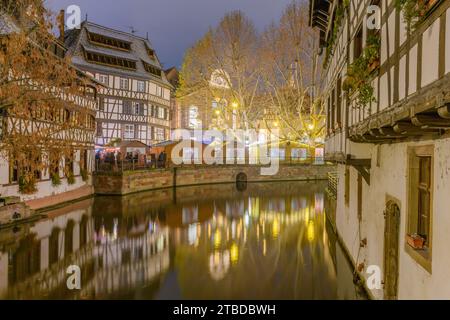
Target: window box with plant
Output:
{"points": [[56, 180], [359, 73], [27, 183], [415, 11], [70, 178], [416, 241]]}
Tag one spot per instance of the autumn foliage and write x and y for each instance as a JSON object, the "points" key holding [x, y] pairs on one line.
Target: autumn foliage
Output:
{"points": [[39, 93], [271, 78]]}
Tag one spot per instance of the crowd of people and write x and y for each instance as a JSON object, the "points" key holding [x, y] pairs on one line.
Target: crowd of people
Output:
{"points": [[136, 159]]}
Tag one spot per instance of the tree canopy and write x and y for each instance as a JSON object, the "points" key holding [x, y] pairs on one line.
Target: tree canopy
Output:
{"points": [[39, 92], [267, 79]]}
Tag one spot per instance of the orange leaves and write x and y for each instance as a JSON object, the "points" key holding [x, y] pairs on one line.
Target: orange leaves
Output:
{"points": [[38, 90]]}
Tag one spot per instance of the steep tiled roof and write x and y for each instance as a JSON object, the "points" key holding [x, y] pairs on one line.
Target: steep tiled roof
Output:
{"points": [[77, 42]]}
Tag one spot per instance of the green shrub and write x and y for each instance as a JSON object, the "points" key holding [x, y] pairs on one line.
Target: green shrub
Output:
{"points": [[56, 180], [27, 184], [71, 178]]}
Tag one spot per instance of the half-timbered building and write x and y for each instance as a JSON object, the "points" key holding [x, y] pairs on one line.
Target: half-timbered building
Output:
{"points": [[72, 170], [387, 88], [135, 103]]}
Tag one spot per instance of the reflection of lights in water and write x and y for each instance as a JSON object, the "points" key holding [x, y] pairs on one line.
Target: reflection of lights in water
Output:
{"points": [[209, 230], [264, 247], [257, 232], [275, 228], [160, 244], [234, 253], [254, 207], [233, 229], [217, 239], [247, 220], [219, 263], [239, 229], [319, 202], [192, 234], [115, 229], [310, 231]]}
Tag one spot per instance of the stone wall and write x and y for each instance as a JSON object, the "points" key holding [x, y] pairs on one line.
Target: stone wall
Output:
{"points": [[118, 183], [389, 180]]}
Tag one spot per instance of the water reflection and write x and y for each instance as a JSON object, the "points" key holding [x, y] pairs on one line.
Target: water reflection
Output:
{"points": [[264, 241]]}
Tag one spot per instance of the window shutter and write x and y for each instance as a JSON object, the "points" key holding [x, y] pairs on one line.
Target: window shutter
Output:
{"points": [[152, 133], [136, 131], [165, 114], [141, 109]]}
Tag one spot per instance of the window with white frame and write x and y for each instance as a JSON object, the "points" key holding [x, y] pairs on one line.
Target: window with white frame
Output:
{"points": [[159, 91], [159, 134], [103, 79], [137, 108], [141, 86], [123, 83], [129, 131], [160, 113]]}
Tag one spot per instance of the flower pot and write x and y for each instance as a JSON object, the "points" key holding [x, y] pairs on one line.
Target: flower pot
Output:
{"points": [[415, 241], [425, 6]]}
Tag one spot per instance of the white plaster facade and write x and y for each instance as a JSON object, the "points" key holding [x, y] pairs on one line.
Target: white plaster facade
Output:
{"points": [[44, 185], [412, 67]]}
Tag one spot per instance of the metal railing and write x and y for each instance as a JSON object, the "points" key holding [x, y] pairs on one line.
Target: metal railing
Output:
{"points": [[135, 165], [333, 181]]}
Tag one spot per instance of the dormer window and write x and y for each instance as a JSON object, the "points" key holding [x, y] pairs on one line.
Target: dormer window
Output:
{"points": [[110, 60], [152, 69], [105, 41], [150, 52]]}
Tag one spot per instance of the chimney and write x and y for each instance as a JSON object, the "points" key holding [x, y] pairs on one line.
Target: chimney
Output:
{"points": [[61, 23]]}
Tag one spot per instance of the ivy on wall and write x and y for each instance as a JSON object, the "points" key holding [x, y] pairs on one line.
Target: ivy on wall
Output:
{"points": [[338, 18], [414, 11], [358, 81]]}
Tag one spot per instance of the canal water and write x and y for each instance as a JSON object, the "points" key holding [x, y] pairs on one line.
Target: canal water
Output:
{"points": [[246, 241]]}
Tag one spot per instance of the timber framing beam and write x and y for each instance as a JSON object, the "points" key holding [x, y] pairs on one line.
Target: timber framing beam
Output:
{"points": [[425, 114], [363, 166]]}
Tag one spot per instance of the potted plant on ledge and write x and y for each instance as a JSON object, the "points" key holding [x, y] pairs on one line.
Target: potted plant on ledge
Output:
{"points": [[416, 241], [372, 52]]}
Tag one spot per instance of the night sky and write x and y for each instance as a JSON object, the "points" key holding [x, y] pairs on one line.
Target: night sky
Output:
{"points": [[172, 25]]}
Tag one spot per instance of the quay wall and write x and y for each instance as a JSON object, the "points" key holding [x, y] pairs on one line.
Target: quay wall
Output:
{"points": [[121, 183]]}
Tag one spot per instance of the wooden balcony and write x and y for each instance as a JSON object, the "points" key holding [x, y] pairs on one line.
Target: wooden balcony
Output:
{"points": [[425, 114]]}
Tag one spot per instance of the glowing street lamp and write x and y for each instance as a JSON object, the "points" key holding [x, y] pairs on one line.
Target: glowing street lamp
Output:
{"points": [[235, 105]]}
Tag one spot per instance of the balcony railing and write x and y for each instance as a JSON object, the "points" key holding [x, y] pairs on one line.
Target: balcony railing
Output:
{"points": [[135, 165]]}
